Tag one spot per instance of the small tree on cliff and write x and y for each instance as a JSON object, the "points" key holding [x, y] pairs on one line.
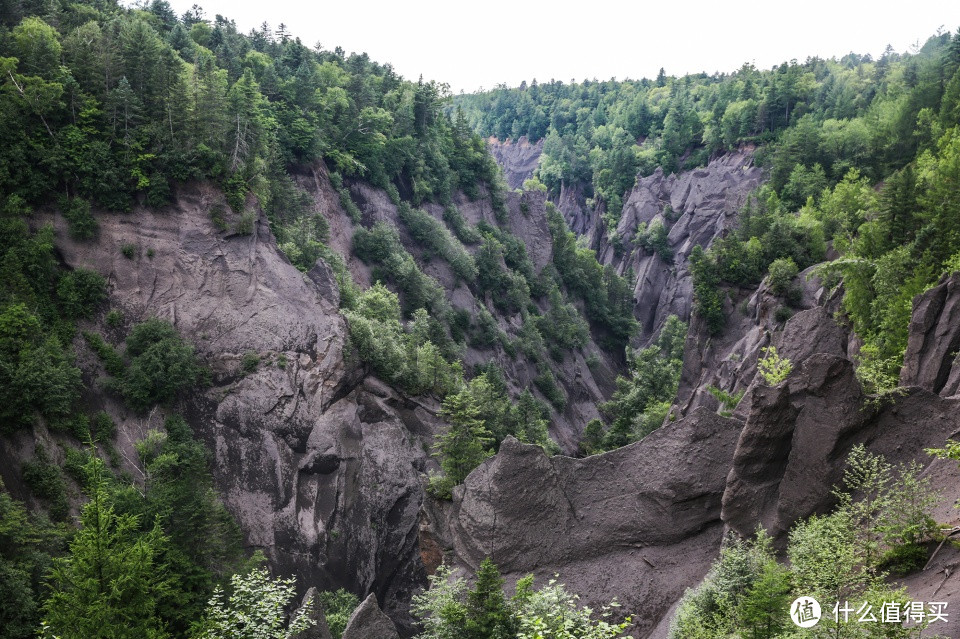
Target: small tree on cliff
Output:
{"points": [[466, 444]]}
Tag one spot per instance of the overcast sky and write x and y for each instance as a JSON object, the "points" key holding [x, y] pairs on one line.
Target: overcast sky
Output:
{"points": [[473, 44]]}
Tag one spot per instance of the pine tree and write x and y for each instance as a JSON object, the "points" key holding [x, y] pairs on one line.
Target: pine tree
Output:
{"points": [[488, 616], [466, 444], [762, 608], [109, 585]]}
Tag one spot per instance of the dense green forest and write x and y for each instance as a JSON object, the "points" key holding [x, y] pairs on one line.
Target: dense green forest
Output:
{"points": [[107, 107], [862, 157]]}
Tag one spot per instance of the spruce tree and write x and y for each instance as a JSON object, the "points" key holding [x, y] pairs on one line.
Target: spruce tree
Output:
{"points": [[109, 584], [466, 444], [488, 616]]}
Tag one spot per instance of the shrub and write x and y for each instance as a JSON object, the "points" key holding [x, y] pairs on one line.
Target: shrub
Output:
{"points": [[218, 214], [82, 224], [654, 239], [249, 362], [782, 314], [114, 319], [546, 383], [102, 427], [254, 609], [244, 225], [781, 274], [337, 607], [80, 291], [773, 368], [128, 251], [46, 482], [728, 401], [161, 365], [108, 355]]}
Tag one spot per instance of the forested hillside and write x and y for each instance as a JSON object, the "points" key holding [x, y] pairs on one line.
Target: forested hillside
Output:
{"points": [[276, 339], [111, 112], [862, 164]]}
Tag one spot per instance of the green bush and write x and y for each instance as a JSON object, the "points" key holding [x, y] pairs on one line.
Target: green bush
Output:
{"points": [[80, 292], [102, 427], [161, 365], [337, 607], [782, 271], [114, 319], [112, 361], [546, 383], [82, 224], [782, 314], [249, 362], [773, 368], [45, 480], [904, 559], [37, 375]]}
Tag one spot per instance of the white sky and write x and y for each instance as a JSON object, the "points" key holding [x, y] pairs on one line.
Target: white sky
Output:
{"points": [[485, 42]]}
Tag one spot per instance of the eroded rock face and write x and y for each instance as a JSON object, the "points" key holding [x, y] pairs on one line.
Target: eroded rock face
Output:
{"points": [[931, 361], [320, 466], [368, 622], [519, 158], [697, 207], [584, 386], [636, 523]]}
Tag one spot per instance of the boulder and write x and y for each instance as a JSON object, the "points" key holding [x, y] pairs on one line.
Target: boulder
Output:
{"points": [[368, 622]]}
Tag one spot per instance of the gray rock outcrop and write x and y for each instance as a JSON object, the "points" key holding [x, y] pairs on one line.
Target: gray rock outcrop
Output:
{"points": [[518, 158], [932, 360], [310, 606], [368, 622], [634, 523], [321, 467]]}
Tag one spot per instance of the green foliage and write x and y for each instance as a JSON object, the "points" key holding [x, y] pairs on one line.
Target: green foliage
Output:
{"points": [[653, 238], [26, 544], [249, 362], [45, 480], [411, 358], [337, 607], [745, 589], [773, 368], [38, 376], [431, 234], [161, 365], [449, 610], [728, 402], [782, 271], [114, 319], [128, 251], [466, 443], [255, 608], [83, 226], [880, 523], [110, 583], [176, 493], [546, 383], [892, 513], [80, 292], [641, 401], [607, 297], [381, 246], [707, 300], [461, 227], [112, 361]]}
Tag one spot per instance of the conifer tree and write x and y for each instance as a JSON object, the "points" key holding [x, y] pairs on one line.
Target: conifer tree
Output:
{"points": [[109, 585]]}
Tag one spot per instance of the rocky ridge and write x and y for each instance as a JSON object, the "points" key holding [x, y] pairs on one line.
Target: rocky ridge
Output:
{"points": [[644, 522]]}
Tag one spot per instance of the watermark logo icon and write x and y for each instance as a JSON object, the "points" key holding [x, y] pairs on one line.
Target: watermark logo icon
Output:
{"points": [[805, 612]]}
